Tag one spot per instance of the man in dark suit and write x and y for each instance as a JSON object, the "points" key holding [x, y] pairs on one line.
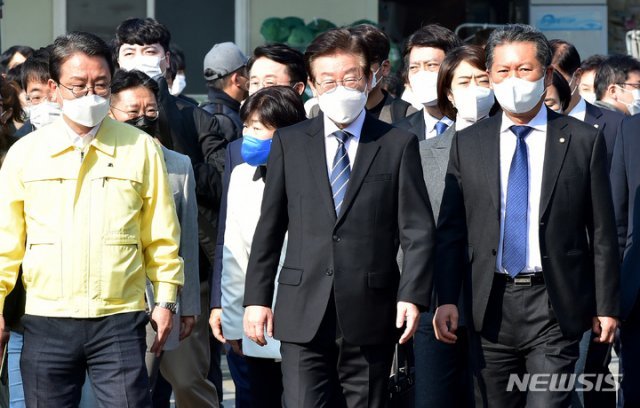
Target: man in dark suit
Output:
{"points": [[527, 202], [625, 186], [341, 299]]}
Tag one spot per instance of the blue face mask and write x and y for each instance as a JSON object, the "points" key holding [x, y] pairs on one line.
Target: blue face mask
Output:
{"points": [[255, 151]]}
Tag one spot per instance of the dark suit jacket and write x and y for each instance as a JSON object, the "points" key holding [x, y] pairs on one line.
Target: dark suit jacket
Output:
{"points": [[577, 227], [625, 186], [414, 123], [353, 255], [608, 122]]}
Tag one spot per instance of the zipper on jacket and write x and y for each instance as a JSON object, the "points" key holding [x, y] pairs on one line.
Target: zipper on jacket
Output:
{"points": [[104, 179]]}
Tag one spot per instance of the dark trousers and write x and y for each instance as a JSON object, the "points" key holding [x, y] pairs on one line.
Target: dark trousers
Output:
{"points": [[442, 374], [598, 359], [330, 372], [58, 352], [630, 356], [520, 336], [240, 375], [265, 382]]}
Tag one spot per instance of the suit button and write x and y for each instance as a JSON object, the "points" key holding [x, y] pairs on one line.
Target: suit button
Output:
{"points": [[494, 252], [542, 224], [329, 271], [336, 238]]}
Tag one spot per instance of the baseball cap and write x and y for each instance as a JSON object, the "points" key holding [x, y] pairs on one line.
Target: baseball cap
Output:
{"points": [[223, 59]]}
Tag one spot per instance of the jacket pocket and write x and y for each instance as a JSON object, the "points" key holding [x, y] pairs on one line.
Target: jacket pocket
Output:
{"points": [[290, 276], [42, 269], [122, 275], [378, 177]]}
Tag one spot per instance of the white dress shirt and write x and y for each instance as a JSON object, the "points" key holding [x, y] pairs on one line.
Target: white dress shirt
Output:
{"points": [[80, 142], [331, 143], [579, 111], [535, 142], [430, 124]]}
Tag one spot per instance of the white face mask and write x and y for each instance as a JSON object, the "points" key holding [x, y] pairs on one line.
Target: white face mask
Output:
{"points": [[633, 107], [374, 76], [473, 102], [179, 83], [88, 110], [424, 85], [44, 113], [342, 105], [588, 96], [149, 64], [518, 95]]}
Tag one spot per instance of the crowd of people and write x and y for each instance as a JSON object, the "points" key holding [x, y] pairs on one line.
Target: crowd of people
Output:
{"points": [[317, 217]]}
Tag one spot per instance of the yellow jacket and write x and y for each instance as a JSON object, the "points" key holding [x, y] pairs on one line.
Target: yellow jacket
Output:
{"points": [[87, 231]]}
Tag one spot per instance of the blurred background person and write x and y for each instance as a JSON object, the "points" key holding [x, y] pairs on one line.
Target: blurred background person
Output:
{"points": [[558, 96], [14, 56], [176, 74], [8, 104], [617, 84], [588, 69], [262, 114]]}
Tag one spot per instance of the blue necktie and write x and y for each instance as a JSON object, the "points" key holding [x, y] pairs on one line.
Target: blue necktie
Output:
{"points": [[340, 171], [514, 249], [441, 127]]}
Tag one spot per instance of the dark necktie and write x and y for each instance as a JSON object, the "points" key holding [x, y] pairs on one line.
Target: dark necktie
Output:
{"points": [[514, 249], [340, 171], [441, 127]]}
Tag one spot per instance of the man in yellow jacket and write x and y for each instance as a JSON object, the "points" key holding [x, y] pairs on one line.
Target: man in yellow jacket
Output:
{"points": [[86, 209]]}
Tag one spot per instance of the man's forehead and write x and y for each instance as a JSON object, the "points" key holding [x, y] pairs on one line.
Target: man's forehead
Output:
{"points": [[138, 46]]}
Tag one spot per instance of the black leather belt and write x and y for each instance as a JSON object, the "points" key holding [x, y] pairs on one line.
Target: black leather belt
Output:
{"points": [[523, 279]]}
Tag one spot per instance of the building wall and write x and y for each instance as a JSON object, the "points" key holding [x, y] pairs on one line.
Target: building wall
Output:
{"points": [[26, 22], [339, 12]]}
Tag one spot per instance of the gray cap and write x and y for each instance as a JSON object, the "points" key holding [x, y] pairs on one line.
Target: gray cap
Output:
{"points": [[223, 59]]}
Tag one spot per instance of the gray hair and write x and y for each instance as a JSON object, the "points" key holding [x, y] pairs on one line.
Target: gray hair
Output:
{"points": [[519, 33]]}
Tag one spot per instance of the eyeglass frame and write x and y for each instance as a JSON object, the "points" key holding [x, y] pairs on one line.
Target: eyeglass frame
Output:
{"points": [[634, 86], [323, 84], [137, 113], [86, 89]]}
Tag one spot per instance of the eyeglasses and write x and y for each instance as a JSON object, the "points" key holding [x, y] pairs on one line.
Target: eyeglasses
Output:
{"points": [[151, 113], [82, 90], [634, 86], [330, 84]]}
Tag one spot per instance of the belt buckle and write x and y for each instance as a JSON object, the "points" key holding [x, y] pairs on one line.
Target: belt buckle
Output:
{"points": [[522, 281]]}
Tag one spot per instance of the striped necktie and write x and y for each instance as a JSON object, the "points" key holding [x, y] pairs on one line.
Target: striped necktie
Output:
{"points": [[340, 171]]}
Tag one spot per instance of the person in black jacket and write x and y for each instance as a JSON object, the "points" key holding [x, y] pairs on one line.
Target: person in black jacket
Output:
{"points": [[225, 70]]}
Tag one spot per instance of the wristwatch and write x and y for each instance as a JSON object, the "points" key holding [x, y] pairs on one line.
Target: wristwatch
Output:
{"points": [[171, 306]]}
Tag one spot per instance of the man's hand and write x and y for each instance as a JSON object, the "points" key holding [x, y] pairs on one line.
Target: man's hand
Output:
{"points": [[236, 346], [186, 326], [605, 328], [407, 312], [215, 322], [445, 323], [162, 322], [255, 320]]}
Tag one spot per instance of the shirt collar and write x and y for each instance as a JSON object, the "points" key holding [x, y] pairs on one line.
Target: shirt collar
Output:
{"points": [[81, 141], [539, 122], [354, 128], [579, 110], [430, 121]]}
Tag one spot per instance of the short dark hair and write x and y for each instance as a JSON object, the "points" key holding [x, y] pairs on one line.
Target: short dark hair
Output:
{"points": [[335, 41], [592, 63], [285, 55], [123, 80], [512, 33], [433, 36], [35, 68], [278, 107], [562, 86], [14, 75], [10, 95], [565, 56], [472, 54], [77, 42], [614, 70], [376, 40], [221, 82], [176, 62], [8, 54], [142, 31]]}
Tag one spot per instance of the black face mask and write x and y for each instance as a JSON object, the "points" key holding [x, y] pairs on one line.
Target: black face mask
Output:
{"points": [[146, 124]]}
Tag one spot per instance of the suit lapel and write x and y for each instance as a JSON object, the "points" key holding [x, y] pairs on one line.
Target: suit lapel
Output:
{"points": [[558, 140], [316, 154], [367, 149], [489, 141]]}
